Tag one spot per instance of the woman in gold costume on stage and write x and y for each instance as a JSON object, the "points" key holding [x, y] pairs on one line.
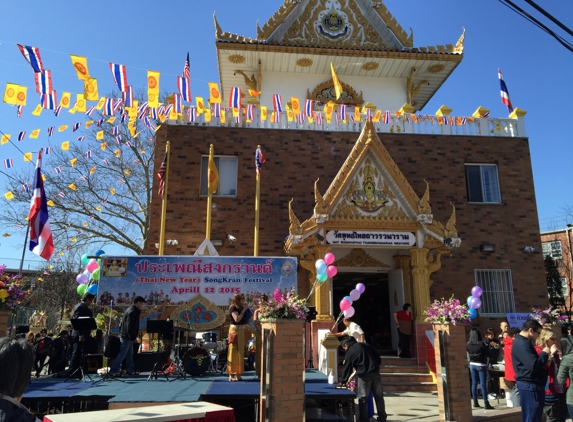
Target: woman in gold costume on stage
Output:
{"points": [[240, 314]]}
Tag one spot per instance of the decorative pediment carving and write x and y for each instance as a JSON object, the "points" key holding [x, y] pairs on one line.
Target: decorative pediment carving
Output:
{"points": [[198, 314], [325, 92], [359, 258]]}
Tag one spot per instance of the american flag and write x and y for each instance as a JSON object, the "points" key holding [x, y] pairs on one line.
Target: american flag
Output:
{"points": [[129, 144], [118, 139], [278, 102], [186, 68], [76, 126], [32, 56], [51, 130], [41, 242], [161, 175], [216, 110], [301, 118], [259, 160], [109, 107], [152, 113], [119, 76], [21, 135], [421, 118], [167, 110], [504, 92], [118, 104]]}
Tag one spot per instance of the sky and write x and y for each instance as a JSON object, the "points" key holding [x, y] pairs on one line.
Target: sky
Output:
{"points": [[145, 35]]}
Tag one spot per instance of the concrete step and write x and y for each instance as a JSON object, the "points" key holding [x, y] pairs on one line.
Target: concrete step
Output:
{"points": [[411, 369], [406, 377], [410, 386], [396, 361]]}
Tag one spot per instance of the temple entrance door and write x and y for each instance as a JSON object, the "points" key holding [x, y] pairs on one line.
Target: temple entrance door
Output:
{"points": [[396, 295], [372, 310]]}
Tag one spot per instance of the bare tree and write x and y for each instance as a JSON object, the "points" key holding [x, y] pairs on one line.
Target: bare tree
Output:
{"points": [[100, 188]]}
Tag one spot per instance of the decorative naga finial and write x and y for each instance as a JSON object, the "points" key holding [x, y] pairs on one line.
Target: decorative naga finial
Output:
{"points": [[459, 48], [218, 30], [450, 230], [295, 227], [320, 206], [411, 89], [250, 82], [424, 205]]}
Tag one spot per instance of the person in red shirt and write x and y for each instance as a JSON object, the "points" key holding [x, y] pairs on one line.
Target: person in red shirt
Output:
{"points": [[509, 376], [403, 319]]}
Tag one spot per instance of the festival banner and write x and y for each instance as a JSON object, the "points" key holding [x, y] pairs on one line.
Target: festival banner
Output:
{"points": [[177, 279]]}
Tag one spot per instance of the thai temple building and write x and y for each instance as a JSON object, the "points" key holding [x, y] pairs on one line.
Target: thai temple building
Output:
{"points": [[416, 204]]}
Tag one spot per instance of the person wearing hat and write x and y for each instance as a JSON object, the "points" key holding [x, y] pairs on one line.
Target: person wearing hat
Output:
{"points": [[129, 331]]}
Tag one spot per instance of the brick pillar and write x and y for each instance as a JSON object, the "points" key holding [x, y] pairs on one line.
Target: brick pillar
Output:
{"points": [[282, 383], [457, 394]]}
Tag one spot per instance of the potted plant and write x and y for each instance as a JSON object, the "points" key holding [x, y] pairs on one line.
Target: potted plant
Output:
{"points": [[449, 311], [547, 316]]}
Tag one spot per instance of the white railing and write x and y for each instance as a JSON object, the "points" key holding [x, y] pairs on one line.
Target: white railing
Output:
{"points": [[470, 127]]}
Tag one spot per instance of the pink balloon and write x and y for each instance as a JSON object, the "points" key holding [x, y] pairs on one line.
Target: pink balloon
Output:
{"points": [[331, 271], [344, 305], [354, 295], [329, 258], [360, 287], [349, 312], [92, 266]]}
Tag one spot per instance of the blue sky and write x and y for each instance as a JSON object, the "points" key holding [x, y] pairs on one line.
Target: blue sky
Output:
{"points": [[148, 35]]}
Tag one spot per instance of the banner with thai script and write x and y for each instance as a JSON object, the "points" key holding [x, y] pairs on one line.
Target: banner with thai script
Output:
{"points": [[176, 279], [374, 238]]}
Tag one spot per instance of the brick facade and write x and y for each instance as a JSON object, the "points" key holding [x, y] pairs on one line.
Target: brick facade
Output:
{"points": [[565, 262], [295, 159]]}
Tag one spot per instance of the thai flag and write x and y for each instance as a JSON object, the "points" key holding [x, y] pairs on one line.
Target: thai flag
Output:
{"points": [[177, 103], [192, 114], [309, 108], [58, 170], [184, 88], [76, 126], [387, 117], [118, 104], [136, 161], [90, 111], [99, 122], [368, 115], [128, 96], [43, 82], [122, 181], [301, 118], [58, 111], [119, 76], [88, 154], [161, 176], [8, 163], [49, 100], [81, 138], [251, 113], [62, 194], [26, 187], [486, 114], [216, 110], [504, 92], [118, 139], [421, 118], [115, 130], [32, 56], [19, 110], [21, 135], [318, 118], [109, 106], [51, 131], [153, 113], [123, 117], [105, 162], [47, 150], [352, 118], [167, 110], [259, 160], [41, 242], [407, 117], [142, 109], [342, 112], [276, 117], [235, 97], [278, 103]]}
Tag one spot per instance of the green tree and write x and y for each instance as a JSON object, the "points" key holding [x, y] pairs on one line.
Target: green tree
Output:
{"points": [[554, 283]]}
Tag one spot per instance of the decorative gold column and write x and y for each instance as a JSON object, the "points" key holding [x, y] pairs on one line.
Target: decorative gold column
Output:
{"points": [[322, 292], [420, 282], [403, 263]]}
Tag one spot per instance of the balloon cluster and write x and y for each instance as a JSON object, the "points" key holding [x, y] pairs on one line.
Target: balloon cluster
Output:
{"points": [[324, 268], [87, 281], [474, 301], [347, 301]]}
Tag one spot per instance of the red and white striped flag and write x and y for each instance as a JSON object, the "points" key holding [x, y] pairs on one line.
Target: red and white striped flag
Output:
{"points": [[504, 92], [41, 241]]}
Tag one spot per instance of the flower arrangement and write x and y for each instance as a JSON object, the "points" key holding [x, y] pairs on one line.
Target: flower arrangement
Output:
{"points": [[547, 316], [11, 292], [284, 304], [448, 312]]}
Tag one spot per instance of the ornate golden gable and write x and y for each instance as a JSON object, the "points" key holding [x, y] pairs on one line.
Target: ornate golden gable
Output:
{"points": [[324, 92]]}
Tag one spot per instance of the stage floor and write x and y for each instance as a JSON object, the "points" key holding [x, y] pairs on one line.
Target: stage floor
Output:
{"points": [[209, 387]]}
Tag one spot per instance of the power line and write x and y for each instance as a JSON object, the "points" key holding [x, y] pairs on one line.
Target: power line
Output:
{"points": [[549, 16]]}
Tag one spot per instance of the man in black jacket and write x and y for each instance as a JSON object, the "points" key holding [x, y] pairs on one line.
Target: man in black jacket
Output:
{"points": [[530, 372], [129, 331], [80, 337], [363, 358]]}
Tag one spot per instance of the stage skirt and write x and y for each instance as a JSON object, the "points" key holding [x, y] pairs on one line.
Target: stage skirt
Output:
{"points": [[236, 353]]}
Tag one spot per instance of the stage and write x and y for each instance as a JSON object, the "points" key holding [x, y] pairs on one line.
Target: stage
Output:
{"points": [[49, 394]]}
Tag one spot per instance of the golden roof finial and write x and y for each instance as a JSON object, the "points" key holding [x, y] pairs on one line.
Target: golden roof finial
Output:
{"points": [[459, 48], [250, 82], [320, 206], [450, 230], [295, 227], [218, 30], [424, 205]]}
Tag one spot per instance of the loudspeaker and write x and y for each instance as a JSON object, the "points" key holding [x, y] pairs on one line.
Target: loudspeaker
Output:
{"points": [[311, 315], [92, 363], [22, 329]]}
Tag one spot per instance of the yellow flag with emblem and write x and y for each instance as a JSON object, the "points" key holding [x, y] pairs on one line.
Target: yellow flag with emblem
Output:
{"points": [[92, 170], [112, 191], [200, 105], [15, 94], [28, 157], [80, 63], [73, 162], [212, 176], [9, 195], [89, 123], [264, 113], [214, 93], [99, 135], [72, 186], [34, 134], [90, 89], [336, 82], [153, 88], [103, 146], [111, 119], [80, 103], [5, 138], [65, 145], [295, 103], [100, 103], [50, 202], [65, 99], [62, 128], [38, 110]]}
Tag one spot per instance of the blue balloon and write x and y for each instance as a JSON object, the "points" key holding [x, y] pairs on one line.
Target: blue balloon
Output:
{"points": [[92, 289], [100, 252], [321, 268], [349, 299], [473, 313], [469, 301]]}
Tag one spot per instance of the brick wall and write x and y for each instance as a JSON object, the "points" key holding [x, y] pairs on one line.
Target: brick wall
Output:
{"points": [[295, 159]]}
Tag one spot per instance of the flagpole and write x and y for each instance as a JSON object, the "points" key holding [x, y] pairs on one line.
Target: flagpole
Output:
{"points": [[209, 198], [257, 209], [164, 201], [24, 249]]}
